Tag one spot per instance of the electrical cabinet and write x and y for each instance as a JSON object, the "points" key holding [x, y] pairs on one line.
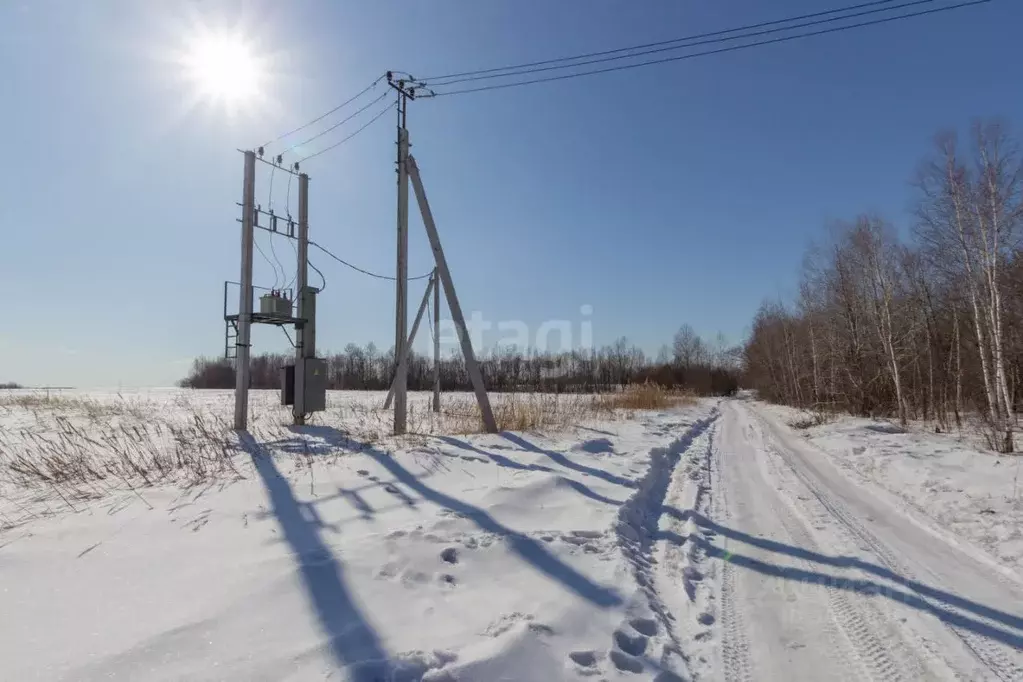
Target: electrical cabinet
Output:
{"points": [[314, 385]]}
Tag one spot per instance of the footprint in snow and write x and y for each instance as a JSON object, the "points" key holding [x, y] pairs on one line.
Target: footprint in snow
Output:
{"points": [[633, 645], [586, 659]]}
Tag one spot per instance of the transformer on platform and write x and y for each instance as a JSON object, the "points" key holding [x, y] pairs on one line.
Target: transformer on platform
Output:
{"points": [[274, 303]]}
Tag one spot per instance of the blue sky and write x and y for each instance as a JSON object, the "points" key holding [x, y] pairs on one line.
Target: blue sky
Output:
{"points": [[683, 193]]}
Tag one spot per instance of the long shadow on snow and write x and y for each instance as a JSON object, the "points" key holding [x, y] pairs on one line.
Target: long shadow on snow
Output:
{"points": [[353, 641], [527, 548], [864, 587], [500, 460], [503, 461], [566, 462]]}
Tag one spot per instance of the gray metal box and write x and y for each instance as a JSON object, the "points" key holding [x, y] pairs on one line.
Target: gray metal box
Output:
{"points": [[315, 388], [315, 384]]}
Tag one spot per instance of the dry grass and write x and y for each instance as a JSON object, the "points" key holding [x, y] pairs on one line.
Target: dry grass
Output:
{"points": [[79, 447], [550, 411], [816, 417], [525, 412], [645, 397]]}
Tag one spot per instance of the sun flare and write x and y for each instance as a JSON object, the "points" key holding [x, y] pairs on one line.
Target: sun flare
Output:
{"points": [[224, 69]]}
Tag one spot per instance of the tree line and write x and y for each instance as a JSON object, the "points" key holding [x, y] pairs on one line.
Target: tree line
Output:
{"points": [[690, 363], [927, 326]]}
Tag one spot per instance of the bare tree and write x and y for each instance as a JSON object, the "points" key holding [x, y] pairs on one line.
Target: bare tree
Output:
{"points": [[687, 347]]}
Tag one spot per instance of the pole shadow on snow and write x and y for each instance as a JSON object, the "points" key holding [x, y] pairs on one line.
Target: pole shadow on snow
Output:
{"points": [[500, 460], [503, 461], [937, 602], [353, 642], [528, 549], [566, 462]]}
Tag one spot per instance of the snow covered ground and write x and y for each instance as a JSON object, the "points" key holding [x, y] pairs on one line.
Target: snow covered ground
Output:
{"points": [[974, 495], [709, 543]]}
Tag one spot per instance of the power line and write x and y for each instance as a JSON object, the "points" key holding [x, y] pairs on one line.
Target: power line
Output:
{"points": [[705, 53], [696, 36], [358, 269], [517, 71], [343, 140], [323, 116], [336, 125]]}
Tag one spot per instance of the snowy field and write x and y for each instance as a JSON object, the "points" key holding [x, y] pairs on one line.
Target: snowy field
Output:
{"points": [[708, 542]]}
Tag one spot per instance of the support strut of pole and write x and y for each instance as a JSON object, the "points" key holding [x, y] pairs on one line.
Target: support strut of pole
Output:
{"points": [[475, 376], [243, 342], [411, 338], [436, 342]]}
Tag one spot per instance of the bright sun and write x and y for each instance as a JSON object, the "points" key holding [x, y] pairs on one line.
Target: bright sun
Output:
{"points": [[224, 69]]}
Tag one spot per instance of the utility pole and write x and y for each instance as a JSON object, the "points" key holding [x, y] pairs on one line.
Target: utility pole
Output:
{"points": [[304, 342], [436, 342], [241, 363], [401, 275]]}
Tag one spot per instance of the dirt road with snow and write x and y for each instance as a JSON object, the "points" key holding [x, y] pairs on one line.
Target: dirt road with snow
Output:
{"points": [[817, 578]]}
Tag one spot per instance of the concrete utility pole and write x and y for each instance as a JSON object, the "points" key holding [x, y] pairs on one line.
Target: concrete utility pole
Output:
{"points": [[436, 342], [305, 344], [241, 363], [449, 291], [406, 91], [401, 285]]}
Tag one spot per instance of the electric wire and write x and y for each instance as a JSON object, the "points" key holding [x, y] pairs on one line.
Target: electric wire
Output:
{"points": [[255, 242], [733, 48], [323, 116], [270, 236], [336, 125], [644, 46], [345, 139], [287, 207], [365, 272], [429, 315], [515, 71], [323, 280], [295, 249]]}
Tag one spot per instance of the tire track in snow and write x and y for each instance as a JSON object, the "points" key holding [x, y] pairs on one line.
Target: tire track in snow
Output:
{"points": [[989, 654], [881, 660], [808, 619], [636, 529], [734, 650]]}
